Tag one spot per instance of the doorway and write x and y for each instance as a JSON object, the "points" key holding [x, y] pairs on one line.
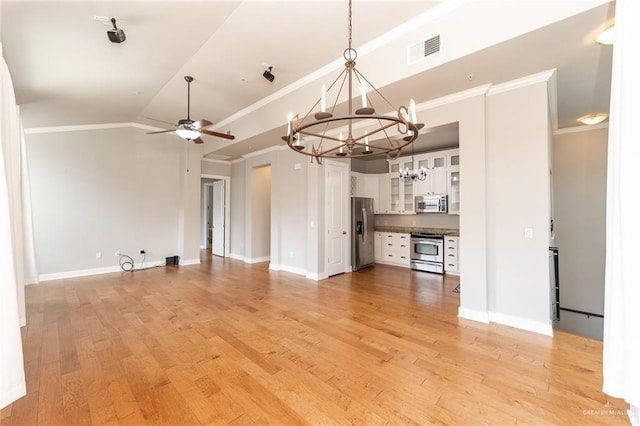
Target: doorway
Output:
{"points": [[215, 214], [337, 217]]}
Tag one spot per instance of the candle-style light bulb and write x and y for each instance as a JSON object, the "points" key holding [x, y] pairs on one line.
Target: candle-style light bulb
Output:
{"points": [[341, 138], [366, 139], [363, 92], [289, 118], [323, 100], [412, 109]]}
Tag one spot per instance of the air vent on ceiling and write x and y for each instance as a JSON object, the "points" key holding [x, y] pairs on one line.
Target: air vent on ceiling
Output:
{"points": [[423, 49]]}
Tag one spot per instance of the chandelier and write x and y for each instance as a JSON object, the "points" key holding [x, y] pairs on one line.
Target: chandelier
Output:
{"points": [[367, 132], [412, 175]]}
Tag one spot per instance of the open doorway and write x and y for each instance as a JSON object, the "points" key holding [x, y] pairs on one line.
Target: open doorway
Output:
{"points": [[214, 214]]}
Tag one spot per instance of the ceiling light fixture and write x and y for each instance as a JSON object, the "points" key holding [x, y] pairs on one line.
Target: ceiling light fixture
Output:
{"points": [[591, 119], [363, 126], [269, 75], [607, 36], [187, 133], [413, 175]]}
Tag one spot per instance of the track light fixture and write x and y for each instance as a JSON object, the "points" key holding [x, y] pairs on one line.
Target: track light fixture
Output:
{"points": [[116, 35], [269, 75]]}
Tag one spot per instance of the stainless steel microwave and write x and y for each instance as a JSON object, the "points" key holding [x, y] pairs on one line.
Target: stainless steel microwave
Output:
{"points": [[436, 203]]}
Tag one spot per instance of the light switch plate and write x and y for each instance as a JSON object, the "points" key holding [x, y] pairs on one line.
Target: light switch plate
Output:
{"points": [[528, 233]]}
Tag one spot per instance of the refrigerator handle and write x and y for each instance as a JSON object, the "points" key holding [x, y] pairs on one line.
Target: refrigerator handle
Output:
{"points": [[364, 219]]}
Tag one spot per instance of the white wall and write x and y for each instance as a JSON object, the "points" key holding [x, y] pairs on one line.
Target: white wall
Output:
{"points": [[107, 190], [260, 212], [579, 192], [237, 219], [215, 167], [519, 197]]}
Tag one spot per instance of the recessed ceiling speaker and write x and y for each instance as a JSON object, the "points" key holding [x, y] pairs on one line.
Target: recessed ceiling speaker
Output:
{"points": [[116, 35], [268, 75]]}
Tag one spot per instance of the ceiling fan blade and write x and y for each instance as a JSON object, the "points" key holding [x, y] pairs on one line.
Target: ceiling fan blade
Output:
{"points": [[197, 140], [159, 121], [218, 134], [202, 123], [161, 131]]}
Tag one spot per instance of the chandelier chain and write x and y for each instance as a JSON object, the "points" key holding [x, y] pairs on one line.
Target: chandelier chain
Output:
{"points": [[350, 25]]}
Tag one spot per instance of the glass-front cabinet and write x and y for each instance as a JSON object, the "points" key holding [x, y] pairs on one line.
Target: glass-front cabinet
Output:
{"points": [[453, 172], [402, 193]]}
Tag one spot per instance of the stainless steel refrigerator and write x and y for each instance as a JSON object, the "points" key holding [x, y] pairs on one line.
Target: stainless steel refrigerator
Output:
{"points": [[362, 231]]}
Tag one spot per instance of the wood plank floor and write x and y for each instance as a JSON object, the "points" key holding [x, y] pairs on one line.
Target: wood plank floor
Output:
{"points": [[229, 343]]}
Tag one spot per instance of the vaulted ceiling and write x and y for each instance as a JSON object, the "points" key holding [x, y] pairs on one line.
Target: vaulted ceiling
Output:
{"points": [[66, 72]]}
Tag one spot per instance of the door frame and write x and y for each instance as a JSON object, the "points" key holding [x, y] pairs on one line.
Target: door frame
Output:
{"points": [[204, 213], [345, 215], [227, 206]]}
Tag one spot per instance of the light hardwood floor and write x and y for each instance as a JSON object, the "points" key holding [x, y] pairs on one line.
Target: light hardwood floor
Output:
{"points": [[226, 342]]}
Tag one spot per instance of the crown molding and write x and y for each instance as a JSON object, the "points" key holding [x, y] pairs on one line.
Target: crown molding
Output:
{"points": [[455, 97], [214, 160], [581, 128], [86, 127], [522, 82]]}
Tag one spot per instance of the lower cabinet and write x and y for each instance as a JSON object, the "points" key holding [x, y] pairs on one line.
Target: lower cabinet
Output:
{"points": [[392, 248], [451, 264], [377, 247]]}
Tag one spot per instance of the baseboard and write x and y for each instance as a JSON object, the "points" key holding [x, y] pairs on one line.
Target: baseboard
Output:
{"points": [[317, 276], [521, 323], [236, 256], [473, 315], [258, 259], [286, 268], [11, 395], [95, 271], [190, 262]]}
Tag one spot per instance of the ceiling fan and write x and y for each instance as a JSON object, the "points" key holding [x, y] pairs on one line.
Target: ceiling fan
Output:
{"points": [[189, 129]]}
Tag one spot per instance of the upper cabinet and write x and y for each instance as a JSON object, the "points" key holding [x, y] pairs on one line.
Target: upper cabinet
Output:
{"points": [[453, 178], [402, 195], [435, 163]]}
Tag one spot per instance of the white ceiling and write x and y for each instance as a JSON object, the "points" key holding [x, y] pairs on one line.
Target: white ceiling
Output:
{"points": [[66, 72]]}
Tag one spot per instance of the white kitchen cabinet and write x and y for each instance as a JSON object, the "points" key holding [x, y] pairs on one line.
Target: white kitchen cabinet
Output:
{"points": [[453, 181], [378, 246], [451, 263], [435, 163], [396, 248], [384, 194], [402, 197]]}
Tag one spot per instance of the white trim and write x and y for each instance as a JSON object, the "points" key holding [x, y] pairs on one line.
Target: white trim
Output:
{"points": [[237, 160], [85, 127], [190, 262], [14, 393], [202, 247], [581, 128], [473, 315], [540, 77], [552, 98], [237, 256], [454, 97], [264, 151], [257, 259], [214, 160], [317, 276], [286, 268], [227, 208], [521, 323], [95, 271]]}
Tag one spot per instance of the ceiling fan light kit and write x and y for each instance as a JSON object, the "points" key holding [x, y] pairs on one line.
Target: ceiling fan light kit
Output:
{"points": [[192, 130], [366, 131]]}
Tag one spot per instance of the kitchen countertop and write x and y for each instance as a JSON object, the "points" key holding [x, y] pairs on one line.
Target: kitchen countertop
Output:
{"points": [[409, 229]]}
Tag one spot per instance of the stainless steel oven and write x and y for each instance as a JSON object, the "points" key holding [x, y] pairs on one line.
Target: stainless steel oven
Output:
{"points": [[427, 252]]}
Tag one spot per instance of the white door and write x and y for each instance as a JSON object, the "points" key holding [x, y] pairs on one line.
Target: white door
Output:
{"points": [[337, 215], [218, 218]]}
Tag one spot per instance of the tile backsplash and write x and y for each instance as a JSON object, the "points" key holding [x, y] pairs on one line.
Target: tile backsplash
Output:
{"points": [[426, 220]]}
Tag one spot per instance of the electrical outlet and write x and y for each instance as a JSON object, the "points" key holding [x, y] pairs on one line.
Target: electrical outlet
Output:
{"points": [[528, 233], [99, 255], [117, 253], [290, 254]]}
